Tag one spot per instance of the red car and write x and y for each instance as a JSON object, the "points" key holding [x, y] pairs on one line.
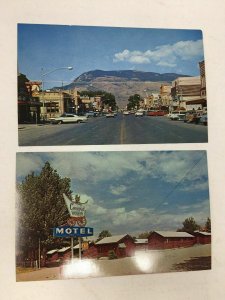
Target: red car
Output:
{"points": [[156, 113]]}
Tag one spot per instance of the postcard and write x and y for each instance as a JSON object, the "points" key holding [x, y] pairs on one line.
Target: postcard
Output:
{"points": [[102, 214], [92, 85]]}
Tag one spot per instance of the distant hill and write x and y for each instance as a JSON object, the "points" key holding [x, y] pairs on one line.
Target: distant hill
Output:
{"points": [[128, 75], [123, 83]]}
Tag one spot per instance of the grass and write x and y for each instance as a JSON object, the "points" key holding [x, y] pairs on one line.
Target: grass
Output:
{"points": [[24, 270]]}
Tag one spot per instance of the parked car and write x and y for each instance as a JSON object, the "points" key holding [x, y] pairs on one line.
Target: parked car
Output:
{"points": [[139, 113], [68, 118], [126, 112], [178, 115], [204, 119], [90, 114], [155, 113], [193, 116], [110, 115]]}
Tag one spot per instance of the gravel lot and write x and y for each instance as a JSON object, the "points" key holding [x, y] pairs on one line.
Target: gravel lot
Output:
{"points": [[144, 262]]}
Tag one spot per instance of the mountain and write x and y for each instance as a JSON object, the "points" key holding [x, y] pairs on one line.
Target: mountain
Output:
{"points": [[128, 75], [123, 83]]}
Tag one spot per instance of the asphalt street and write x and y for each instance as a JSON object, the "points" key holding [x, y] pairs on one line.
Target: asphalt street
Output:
{"points": [[113, 131]]}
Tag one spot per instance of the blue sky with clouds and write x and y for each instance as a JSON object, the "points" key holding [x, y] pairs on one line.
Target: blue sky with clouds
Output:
{"points": [[132, 192], [88, 48]]}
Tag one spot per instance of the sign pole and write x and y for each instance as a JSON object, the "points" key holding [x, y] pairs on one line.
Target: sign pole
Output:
{"points": [[71, 248], [79, 247]]}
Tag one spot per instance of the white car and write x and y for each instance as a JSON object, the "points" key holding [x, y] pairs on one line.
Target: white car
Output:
{"points": [[126, 112], [110, 115], [139, 113], [68, 118], [177, 116]]}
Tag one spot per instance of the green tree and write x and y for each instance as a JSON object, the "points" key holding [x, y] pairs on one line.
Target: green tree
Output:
{"points": [[108, 99], [134, 102], [189, 225], [41, 207], [144, 235], [103, 234], [208, 225]]}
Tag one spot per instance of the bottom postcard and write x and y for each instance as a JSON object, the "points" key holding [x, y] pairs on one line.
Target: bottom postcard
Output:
{"points": [[97, 214]]}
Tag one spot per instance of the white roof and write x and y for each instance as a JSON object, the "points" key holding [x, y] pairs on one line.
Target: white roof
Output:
{"points": [[52, 251], [63, 249], [111, 239], [174, 234], [203, 232], [76, 247], [141, 241]]}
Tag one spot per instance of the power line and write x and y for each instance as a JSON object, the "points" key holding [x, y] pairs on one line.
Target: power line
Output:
{"points": [[179, 182]]}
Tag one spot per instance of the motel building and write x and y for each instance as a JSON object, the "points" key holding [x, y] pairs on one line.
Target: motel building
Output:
{"points": [[170, 239], [122, 245], [202, 237]]}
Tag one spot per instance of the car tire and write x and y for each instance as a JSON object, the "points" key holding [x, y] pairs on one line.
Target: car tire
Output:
{"points": [[60, 122]]}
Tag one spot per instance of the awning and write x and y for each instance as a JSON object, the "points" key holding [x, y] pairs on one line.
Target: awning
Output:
{"points": [[199, 101]]}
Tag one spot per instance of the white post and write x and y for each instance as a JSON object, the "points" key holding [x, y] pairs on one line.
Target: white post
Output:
{"points": [[39, 253], [71, 248], [80, 247]]}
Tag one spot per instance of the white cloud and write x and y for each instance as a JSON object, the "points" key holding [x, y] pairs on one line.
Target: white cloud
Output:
{"points": [[165, 55], [117, 190], [169, 167], [122, 200], [121, 220], [27, 163]]}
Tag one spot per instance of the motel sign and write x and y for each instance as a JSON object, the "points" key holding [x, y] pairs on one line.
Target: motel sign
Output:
{"points": [[72, 231]]}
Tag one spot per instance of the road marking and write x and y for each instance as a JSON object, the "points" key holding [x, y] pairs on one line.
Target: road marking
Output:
{"points": [[122, 132]]}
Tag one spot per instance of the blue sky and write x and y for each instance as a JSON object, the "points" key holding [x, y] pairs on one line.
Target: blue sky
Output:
{"points": [[132, 192], [88, 48]]}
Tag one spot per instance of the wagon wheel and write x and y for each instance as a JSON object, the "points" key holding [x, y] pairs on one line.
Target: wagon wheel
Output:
{"points": [[71, 221], [82, 221]]}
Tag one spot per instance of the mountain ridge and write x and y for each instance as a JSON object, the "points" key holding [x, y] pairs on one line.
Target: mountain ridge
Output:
{"points": [[122, 83]]}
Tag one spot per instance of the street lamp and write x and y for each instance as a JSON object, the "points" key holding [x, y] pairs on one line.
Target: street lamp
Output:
{"points": [[42, 81]]}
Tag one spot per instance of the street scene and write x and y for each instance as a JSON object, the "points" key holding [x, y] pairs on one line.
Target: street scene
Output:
{"points": [[121, 129], [129, 86], [97, 214]]}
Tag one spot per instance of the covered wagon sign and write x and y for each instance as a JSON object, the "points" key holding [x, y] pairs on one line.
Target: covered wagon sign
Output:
{"points": [[76, 210]]}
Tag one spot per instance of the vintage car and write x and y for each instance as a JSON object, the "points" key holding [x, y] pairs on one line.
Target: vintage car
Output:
{"points": [[178, 115], [156, 113], [139, 113], [110, 115], [204, 120], [68, 118], [126, 112]]}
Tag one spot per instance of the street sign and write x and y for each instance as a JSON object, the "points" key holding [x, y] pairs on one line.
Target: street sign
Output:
{"points": [[72, 231]]}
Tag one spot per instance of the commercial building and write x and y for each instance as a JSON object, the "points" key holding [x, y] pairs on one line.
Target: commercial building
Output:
{"points": [[184, 90]]}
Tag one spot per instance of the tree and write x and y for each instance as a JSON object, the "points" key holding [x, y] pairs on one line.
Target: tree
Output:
{"points": [[208, 225], [133, 102], [189, 225], [108, 99], [41, 207], [144, 235], [103, 234]]}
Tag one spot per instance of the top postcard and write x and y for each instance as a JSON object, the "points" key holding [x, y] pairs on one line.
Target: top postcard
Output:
{"points": [[85, 85]]}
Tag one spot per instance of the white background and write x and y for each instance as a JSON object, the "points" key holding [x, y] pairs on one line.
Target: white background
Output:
{"points": [[207, 15]]}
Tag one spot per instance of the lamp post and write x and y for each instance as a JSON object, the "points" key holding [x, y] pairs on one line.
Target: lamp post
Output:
{"points": [[42, 82]]}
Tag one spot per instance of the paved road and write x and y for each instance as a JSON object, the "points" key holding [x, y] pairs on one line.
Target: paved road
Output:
{"points": [[144, 262], [113, 131]]}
